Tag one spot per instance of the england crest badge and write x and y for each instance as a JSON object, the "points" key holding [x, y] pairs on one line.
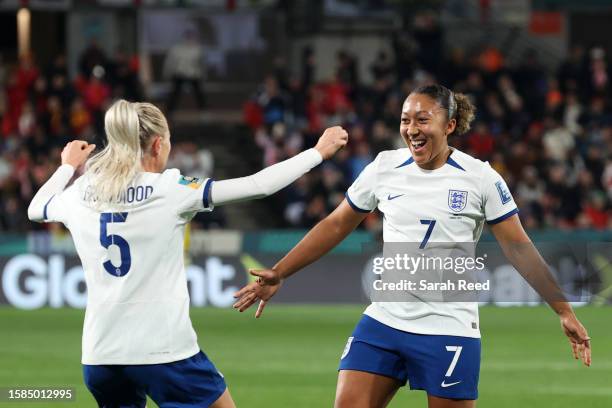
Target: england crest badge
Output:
{"points": [[457, 200]]}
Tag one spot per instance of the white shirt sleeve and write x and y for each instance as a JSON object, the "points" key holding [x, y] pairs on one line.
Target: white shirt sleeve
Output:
{"points": [[498, 203], [361, 195], [265, 182], [48, 204], [188, 195]]}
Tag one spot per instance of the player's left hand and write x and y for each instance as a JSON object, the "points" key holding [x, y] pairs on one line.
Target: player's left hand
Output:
{"points": [[267, 284], [578, 337], [76, 152]]}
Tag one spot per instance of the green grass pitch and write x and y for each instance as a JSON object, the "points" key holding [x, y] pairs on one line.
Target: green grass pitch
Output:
{"points": [[288, 358]]}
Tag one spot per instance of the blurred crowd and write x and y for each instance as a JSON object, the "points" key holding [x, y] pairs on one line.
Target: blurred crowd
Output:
{"points": [[42, 108], [549, 133]]}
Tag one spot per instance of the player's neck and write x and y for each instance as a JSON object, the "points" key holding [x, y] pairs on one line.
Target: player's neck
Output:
{"points": [[437, 161], [150, 165]]}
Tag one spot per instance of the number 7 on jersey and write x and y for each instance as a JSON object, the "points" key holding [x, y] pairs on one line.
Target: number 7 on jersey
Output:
{"points": [[432, 224]]}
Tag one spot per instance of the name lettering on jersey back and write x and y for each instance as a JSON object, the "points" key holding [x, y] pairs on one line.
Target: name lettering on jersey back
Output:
{"points": [[133, 194]]}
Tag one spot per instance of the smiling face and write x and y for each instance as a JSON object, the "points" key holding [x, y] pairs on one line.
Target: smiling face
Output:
{"points": [[425, 128]]}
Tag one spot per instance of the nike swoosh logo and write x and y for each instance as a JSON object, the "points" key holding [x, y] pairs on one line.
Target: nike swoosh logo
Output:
{"points": [[444, 385], [390, 197]]}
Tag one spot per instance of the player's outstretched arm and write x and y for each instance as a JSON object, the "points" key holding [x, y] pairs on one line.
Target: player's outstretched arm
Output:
{"points": [[521, 252], [320, 240], [271, 179], [74, 154]]}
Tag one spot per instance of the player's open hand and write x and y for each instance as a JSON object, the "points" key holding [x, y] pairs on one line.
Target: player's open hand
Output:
{"points": [[332, 140], [76, 152], [267, 284], [578, 337]]}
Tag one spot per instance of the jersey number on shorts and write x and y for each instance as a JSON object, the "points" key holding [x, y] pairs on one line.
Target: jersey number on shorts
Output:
{"points": [[108, 240], [432, 224], [453, 364]]}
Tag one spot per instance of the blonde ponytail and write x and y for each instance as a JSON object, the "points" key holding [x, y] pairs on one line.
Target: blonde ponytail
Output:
{"points": [[128, 127]]}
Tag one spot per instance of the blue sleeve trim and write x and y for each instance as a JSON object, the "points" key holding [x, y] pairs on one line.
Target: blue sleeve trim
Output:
{"points": [[45, 208], [503, 217], [353, 206], [206, 193]]}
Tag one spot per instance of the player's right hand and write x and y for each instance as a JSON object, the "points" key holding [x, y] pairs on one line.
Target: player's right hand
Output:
{"points": [[267, 284], [76, 152], [578, 337], [332, 140]]}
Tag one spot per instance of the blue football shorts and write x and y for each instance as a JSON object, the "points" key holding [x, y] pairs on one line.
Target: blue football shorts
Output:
{"points": [[443, 366], [192, 382]]}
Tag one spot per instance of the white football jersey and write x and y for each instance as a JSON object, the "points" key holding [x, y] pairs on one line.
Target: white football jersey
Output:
{"points": [[459, 196], [137, 302]]}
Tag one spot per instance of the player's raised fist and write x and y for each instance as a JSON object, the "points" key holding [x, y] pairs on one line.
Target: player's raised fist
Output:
{"points": [[76, 152], [332, 140]]}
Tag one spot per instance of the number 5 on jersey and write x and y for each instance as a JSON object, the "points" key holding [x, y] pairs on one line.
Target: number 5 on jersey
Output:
{"points": [[107, 240]]}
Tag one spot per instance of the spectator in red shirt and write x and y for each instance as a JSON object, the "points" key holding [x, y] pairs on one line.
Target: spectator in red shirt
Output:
{"points": [[95, 94], [595, 210], [481, 141], [27, 72]]}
